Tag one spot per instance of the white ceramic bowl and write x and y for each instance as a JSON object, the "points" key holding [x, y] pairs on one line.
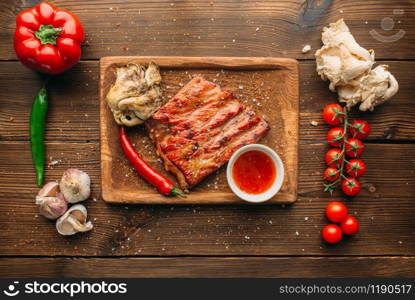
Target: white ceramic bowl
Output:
{"points": [[276, 186]]}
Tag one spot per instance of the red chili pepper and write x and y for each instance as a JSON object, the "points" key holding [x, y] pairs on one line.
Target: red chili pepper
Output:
{"points": [[161, 183], [48, 39]]}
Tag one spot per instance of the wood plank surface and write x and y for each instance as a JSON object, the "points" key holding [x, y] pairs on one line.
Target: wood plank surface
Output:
{"points": [[269, 85], [386, 216], [271, 241], [225, 28], [208, 267], [74, 104], [73, 113]]}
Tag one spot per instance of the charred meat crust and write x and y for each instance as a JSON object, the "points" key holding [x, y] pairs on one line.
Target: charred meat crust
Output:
{"points": [[200, 128]]}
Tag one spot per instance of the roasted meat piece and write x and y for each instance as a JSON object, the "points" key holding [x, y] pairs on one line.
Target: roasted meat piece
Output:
{"points": [[199, 129]]}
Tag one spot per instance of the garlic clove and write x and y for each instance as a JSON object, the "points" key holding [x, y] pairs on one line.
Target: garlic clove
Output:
{"points": [[75, 185], [49, 189], [51, 202], [52, 207], [73, 221]]}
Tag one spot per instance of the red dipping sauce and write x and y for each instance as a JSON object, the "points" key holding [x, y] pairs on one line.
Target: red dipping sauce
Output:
{"points": [[254, 172]]}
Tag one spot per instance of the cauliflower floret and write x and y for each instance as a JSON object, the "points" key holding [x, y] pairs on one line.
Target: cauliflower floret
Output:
{"points": [[341, 58], [348, 67], [369, 90]]}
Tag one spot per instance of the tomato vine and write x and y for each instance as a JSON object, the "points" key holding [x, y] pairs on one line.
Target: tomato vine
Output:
{"points": [[348, 146]]}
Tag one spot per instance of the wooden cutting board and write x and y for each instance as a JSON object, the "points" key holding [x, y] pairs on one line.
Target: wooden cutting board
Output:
{"points": [[269, 85]]}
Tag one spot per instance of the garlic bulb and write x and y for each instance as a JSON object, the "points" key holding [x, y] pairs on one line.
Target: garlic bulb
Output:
{"points": [[75, 185], [51, 202], [52, 207], [73, 221]]}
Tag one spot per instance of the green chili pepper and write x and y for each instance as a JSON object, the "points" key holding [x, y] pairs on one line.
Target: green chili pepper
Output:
{"points": [[37, 132]]}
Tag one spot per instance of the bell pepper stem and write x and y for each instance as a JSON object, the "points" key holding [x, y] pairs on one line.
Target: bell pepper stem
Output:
{"points": [[47, 34]]}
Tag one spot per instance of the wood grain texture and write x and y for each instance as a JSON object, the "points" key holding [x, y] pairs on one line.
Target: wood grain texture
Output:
{"points": [[73, 112], [208, 267], [74, 105], [224, 27], [210, 28], [269, 85], [386, 216]]}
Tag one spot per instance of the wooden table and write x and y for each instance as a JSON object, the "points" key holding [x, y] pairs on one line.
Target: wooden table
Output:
{"points": [[210, 241]]}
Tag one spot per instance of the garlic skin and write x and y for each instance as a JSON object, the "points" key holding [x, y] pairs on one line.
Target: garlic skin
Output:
{"points": [[75, 185], [370, 90], [52, 207], [306, 49], [74, 221], [341, 59], [49, 189], [51, 202]]}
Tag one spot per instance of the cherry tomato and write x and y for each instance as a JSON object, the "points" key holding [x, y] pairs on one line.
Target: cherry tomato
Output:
{"points": [[332, 233], [356, 168], [350, 225], [360, 129], [333, 158], [333, 114], [354, 147], [350, 186], [335, 136], [336, 211], [331, 174]]}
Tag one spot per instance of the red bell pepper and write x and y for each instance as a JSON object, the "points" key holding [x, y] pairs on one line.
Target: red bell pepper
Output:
{"points": [[48, 39]]}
